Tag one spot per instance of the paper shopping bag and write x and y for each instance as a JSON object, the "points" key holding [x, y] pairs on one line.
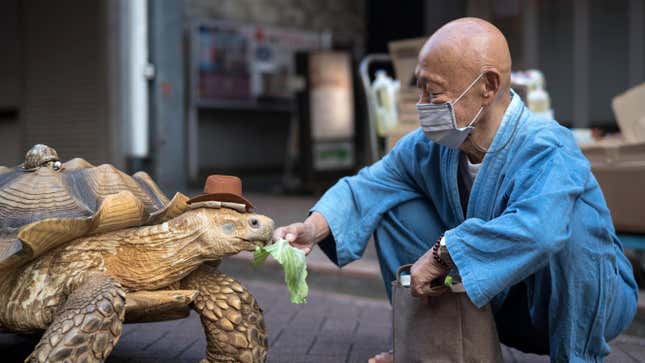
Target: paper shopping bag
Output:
{"points": [[446, 328]]}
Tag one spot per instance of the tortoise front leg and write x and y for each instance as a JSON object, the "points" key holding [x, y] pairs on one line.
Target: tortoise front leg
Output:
{"points": [[87, 326], [232, 320]]}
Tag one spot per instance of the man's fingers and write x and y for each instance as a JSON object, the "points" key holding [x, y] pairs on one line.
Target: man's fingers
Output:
{"points": [[295, 235], [279, 233], [293, 232], [437, 291], [290, 232], [427, 290]]}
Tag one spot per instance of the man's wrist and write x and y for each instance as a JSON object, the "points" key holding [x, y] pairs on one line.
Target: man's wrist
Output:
{"points": [[317, 226], [444, 253], [441, 255]]}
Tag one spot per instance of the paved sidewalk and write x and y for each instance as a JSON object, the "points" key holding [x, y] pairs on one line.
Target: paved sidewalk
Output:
{"points": [[329, 328]]}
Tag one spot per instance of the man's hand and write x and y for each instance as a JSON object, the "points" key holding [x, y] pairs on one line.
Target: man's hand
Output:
{"points": [[306, 235], [423, 273], [299, 235]]}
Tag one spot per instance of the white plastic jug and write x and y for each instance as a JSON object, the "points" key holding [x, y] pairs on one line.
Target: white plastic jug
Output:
{"points": [[385, 91], [539, 102]]}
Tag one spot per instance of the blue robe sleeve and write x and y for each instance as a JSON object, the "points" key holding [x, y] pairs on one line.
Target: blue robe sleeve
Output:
{"points": [[492, 255], [354, 205]]}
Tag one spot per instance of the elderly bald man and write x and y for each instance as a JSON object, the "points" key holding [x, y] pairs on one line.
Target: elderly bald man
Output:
{"points": [[501, 194]]}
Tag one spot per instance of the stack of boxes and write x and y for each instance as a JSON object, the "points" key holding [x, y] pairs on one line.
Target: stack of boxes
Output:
{"points": [[619, 165], [404, 55]]}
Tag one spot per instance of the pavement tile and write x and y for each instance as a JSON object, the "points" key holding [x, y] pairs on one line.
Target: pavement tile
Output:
{"points": [[273, 319], [362, 354], [366, 327], [274, 334], [140, 338], [289, 337], [327, 348], [145, 360], [304, 359], [632, 348], [306, 324], [514, 355], [286, 357], [325, 358], [345, 310], [298, 344], [336, 336], [618, 356], [195, 352], [174, 345], [290, 353], [377, 317], [339, 325]]}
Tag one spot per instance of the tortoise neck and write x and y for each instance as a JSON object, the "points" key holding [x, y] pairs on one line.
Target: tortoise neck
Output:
{"points": [[153, 257]]}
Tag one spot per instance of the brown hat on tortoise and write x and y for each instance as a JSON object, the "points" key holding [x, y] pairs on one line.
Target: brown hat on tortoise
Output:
{"points": [[223, 188]]}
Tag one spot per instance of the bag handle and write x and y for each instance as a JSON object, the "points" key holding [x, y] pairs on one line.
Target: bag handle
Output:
{"points": [[401, 269]]}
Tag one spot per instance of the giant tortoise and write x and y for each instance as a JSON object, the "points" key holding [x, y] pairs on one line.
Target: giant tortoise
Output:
{"points": [[84, 248]]}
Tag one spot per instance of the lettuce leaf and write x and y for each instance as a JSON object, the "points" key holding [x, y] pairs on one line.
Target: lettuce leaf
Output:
{"points": [[293, 263]]}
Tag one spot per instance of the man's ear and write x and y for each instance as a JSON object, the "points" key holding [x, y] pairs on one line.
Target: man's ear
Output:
{"points": [[492, 83]]}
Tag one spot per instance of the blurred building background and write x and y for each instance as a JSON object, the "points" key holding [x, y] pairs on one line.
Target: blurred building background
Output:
{"points": [[119, 81]]}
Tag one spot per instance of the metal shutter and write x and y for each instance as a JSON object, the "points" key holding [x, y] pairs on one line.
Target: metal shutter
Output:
{"points": [[65, 100]]}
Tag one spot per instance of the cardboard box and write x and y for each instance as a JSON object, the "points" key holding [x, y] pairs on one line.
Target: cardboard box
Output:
{"points": [[629, 110], [404, 55], [619, 166], [620, 171]]}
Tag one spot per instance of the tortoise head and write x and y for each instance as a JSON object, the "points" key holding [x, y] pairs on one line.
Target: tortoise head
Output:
{"points": [[230, 231]]}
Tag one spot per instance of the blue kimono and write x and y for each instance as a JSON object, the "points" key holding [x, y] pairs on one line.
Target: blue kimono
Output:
{"points": [[536, 240]]}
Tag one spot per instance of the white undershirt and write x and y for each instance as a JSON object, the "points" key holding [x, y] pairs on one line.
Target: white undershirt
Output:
{"points": [[473, 169], [468, 171]]}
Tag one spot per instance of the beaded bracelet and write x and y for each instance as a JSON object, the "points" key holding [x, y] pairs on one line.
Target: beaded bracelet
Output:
{"points": [[435, 254]]}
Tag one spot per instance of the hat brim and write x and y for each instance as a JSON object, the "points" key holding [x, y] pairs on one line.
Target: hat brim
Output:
{"points": [[223, 197]]}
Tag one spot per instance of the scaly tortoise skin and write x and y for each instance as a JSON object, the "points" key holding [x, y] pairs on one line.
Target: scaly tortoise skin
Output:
{"points": [[84, 248]]}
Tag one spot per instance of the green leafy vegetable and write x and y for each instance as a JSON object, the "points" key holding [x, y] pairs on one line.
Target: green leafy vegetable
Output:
{"points": [[293, 263]]}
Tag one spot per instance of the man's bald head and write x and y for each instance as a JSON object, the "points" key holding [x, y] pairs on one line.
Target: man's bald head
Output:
{"points": [[472, 43], [452, 58], [468, 46]]}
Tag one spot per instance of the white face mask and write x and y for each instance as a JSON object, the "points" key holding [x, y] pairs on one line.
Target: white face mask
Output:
{"points": [[439, 123]]}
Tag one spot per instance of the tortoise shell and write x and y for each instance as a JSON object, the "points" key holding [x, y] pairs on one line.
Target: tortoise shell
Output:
{"points": [[44, 203]]}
